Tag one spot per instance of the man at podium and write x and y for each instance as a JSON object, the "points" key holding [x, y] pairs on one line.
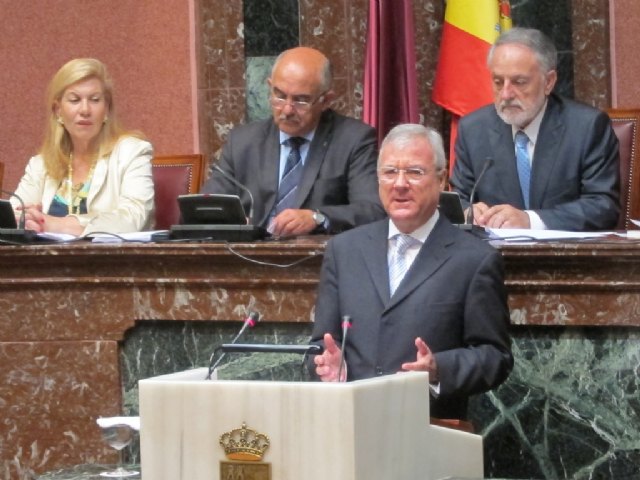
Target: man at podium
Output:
{"points": [[420, 293]]}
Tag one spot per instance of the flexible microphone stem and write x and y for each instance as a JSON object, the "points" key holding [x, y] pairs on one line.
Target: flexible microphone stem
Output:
{"points": [[487, 163], [240, 186], [22, 209], [346, 325], [250, 321], [18, 235]]}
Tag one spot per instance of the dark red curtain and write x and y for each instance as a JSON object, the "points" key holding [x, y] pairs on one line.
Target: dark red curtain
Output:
{"points": [[390, 84]]}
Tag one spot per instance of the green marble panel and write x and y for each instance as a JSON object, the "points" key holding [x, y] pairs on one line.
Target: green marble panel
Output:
{"points": [[553, 17], [270, 26], [155, 348], [258, 71], [570, 408]]}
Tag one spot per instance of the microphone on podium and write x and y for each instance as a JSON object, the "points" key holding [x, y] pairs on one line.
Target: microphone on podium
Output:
{"points": [[468, 225], [346, 325], [249, 322], [16, 233], [233, 347], [271, 348]]}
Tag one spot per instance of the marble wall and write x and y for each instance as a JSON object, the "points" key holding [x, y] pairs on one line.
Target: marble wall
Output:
{"points": [[221, 60], [625, 31], [570, 408], [134, 39], [590, 47]]}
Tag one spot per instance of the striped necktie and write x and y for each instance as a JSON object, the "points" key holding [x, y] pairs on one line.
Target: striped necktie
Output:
{"points": [[398, 262], [291, 175], [524, 165]]}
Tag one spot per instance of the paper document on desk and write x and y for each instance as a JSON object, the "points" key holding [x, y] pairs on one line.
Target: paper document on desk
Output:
{"points": [[123, 237], [523, 234], [59, 237], [634, 233]]}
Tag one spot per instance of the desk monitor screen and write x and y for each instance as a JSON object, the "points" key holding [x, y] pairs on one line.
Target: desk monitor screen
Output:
{"points": [[211, 209], [7, 217], [451, 207]]}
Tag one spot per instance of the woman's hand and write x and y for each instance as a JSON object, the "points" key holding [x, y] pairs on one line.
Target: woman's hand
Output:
{"points": [[34, 218], [41, 222]]}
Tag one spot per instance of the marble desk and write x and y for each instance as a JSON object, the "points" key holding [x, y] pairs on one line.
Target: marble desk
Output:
{"points": [[79, 323]]}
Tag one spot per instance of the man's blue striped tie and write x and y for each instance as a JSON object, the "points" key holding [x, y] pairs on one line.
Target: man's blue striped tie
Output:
{"points": [[398, 264], [291, 175], [524, 165]]}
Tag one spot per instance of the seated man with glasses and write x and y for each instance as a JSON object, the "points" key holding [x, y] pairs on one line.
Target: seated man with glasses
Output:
{"points": [[421, 294], [308, 168]]}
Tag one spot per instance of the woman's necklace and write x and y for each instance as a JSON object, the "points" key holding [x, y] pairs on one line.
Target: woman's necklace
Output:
{"points": [[73, 196], [70, 185]]}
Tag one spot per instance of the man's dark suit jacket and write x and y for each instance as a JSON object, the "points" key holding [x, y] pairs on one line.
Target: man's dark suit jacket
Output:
{"points": [[453, 297], [575, 178], [339, 177]]}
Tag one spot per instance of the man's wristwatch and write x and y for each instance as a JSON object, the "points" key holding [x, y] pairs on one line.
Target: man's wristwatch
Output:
{"points": [[319, 218]]}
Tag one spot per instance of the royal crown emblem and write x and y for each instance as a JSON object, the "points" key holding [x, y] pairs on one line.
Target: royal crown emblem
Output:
{"points": [[244, 444]]}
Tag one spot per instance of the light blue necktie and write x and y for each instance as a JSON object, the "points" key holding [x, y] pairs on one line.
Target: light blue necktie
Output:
{"points": [[524, 165], [398, 263], [291, 176]]}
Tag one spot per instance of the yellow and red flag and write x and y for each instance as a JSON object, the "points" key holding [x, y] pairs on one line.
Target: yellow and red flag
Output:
{"points": [[505, 16], [462, 83]]}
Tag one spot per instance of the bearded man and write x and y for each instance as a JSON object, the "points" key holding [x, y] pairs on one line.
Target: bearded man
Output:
{"points": [[553, 162]]}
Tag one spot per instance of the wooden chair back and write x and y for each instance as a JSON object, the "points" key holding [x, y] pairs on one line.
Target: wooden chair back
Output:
{"points": [[175, 175], [625, 124]]}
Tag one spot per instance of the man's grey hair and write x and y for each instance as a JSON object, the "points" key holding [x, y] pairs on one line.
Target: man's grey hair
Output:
{"points": [[538, 42], [404, 134]]}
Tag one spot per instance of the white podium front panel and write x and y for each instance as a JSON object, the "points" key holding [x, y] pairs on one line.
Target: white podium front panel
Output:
{"points": [[376, 429]]}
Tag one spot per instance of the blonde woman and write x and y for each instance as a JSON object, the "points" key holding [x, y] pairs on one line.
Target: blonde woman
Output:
{"points": [[90, 175]]}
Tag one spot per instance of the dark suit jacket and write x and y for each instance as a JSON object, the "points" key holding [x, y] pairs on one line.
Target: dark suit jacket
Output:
{"points": [[575, 178], [453, 297], [339, 177]]}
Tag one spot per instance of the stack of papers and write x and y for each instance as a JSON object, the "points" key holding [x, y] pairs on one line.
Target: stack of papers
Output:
{"points": [[101, 237], [123, 237], [523, 234], [58, 237]]}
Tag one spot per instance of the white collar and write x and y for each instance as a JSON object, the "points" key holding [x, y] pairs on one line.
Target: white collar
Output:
{"points": [[533, 128], [421, 233], [308, 137]]}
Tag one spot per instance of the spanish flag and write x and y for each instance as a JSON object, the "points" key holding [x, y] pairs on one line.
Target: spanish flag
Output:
{"points": [[462, 82]]}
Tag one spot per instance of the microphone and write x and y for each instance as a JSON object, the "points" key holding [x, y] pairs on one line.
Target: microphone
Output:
{"points": [[468, 225], [270, 348], [346, 325], [250, 321], [20, 234], [247, 232], [240, 186]]}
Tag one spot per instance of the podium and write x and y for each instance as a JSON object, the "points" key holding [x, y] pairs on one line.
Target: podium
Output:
{"points": [[375, 429]]}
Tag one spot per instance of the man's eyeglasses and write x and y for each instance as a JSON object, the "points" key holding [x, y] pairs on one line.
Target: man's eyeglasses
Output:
{"points": [[413, 175], [279, 100]]}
